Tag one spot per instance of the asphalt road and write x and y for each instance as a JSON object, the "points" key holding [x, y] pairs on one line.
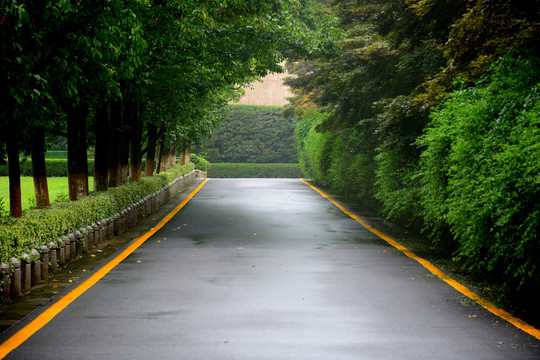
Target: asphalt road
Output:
{"points": [[269, 269]]}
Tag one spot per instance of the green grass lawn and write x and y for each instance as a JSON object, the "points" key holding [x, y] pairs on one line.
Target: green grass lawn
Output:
{"points": [[58, 187]]}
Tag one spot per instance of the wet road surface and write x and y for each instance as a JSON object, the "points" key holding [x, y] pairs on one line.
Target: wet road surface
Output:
{"points": [[268, 269]]}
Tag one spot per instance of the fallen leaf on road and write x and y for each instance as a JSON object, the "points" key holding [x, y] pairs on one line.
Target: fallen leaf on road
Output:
{"points": [[472, 316], [139, 261]]}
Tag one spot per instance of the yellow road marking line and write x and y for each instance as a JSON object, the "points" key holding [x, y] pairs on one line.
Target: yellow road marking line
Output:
{"points": [[520, 324], [22, 335]]}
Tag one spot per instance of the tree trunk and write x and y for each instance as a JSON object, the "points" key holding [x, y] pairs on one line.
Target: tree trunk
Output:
{"points": [[160, 156], [114, 144], [172, 155], [101, 162], [135, 149], [188, 152], [125, 134], [12, 144], [183, 153], [77, 158], [151, 152], [39, 169]]}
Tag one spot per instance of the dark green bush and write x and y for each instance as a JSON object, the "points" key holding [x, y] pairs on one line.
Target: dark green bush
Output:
{"points": [[252, 134], [40, 226], [199, 162], [480, 172], [241, 170], [314, 148]]}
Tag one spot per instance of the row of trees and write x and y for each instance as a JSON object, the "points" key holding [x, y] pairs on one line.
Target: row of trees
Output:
{"points": [[134, 77], [463, 169]]}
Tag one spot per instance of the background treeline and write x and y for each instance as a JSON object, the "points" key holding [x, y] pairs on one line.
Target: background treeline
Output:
{"points": [[252, 134], [251, 170], [431, 114]]}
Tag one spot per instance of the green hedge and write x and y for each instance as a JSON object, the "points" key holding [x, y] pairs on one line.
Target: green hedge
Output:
{"points": [[252, 134], [199, 162], [55, 167], [38, 227], [239, 170]]}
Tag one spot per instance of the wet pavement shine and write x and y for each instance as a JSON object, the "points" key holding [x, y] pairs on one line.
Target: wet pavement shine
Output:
{"points": [[269, 269]]}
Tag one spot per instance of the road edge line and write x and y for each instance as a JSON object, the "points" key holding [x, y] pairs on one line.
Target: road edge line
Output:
{"points": [[489, 306], [41, 320]]}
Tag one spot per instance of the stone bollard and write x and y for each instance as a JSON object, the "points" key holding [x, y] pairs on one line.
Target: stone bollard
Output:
{"points": [[36, 266], [16, 285], [102, 230], [72, 246], [125, 216], [140, 210], [97, 239], [67, 249], [116, 221], [79, 242], [122, 222], [44, 262], [6, 282], [147, 205], [26, 273], [110, 228], [133, 215], [60, 253], [155, 202], [90, 239], [53, 260]]}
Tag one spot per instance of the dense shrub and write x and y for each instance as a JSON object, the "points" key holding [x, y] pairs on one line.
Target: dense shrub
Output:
{"points": [[40, 226], [242, 170], [480, 172], [199, 162], [343, 162], [314, 148], [252, 134]]}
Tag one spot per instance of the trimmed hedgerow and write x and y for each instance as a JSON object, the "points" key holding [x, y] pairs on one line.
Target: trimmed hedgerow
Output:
{"points": [[240, 170], [38, 227], [55, 167]]}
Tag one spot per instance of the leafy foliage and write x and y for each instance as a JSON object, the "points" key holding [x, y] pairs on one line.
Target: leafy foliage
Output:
{"points": [[199, 162], [252, 134], [480, 171]]}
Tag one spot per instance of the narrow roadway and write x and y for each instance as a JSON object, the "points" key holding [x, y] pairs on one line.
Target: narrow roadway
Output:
{"points": [[269, 269]]}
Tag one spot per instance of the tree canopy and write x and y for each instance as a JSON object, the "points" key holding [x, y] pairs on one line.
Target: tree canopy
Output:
{"points": [[135, 77]]}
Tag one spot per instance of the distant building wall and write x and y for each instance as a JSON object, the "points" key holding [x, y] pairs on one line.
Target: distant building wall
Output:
{"points": [[270, 92]]}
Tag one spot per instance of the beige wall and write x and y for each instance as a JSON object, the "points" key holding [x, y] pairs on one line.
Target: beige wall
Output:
{"points": [[270, 92]]}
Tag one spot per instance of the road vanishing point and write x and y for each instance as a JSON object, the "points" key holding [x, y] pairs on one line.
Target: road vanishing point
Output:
{"points": [[264, 269]]}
